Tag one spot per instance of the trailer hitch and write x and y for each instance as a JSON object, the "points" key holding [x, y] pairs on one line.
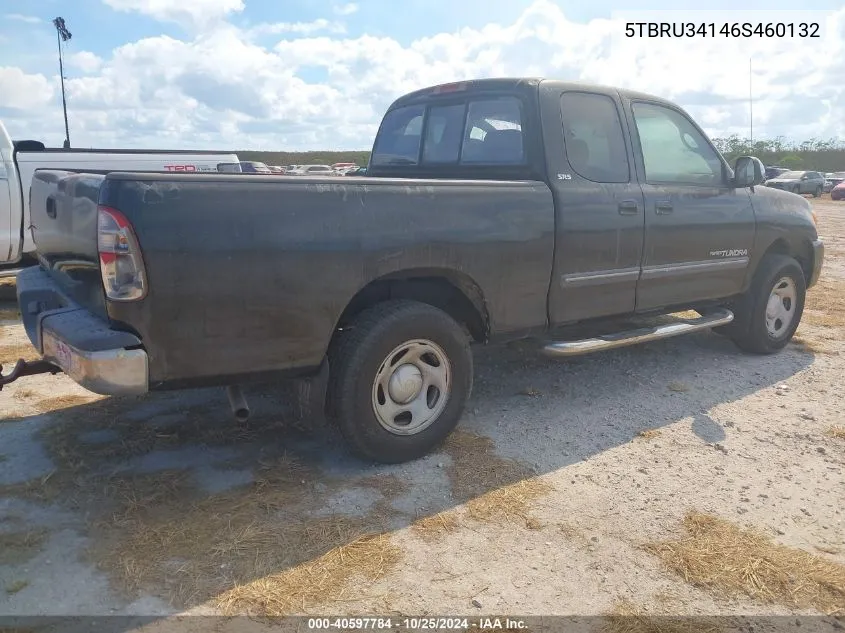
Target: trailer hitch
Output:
{"points": [[27, 368]]}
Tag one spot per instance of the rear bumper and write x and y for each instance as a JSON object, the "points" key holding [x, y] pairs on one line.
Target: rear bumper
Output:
{"points": [[818, 262], [99, 358]]}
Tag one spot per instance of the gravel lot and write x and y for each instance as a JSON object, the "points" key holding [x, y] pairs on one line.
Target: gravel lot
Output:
{"points": [[561, 494]]}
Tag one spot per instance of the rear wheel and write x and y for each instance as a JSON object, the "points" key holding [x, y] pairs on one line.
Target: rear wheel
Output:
{"points": [[400, 376], [768, 315]]}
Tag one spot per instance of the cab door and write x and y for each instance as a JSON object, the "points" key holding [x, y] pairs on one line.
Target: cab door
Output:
{"points": [[699, 228], [598, 205], [9, 211]]}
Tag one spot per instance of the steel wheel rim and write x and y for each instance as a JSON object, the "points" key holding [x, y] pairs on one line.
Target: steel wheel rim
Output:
{"points": [[411, 387], [780, 308]]}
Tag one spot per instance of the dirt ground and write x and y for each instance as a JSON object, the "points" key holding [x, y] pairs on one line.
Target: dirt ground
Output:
{"points": [[679, 477]]}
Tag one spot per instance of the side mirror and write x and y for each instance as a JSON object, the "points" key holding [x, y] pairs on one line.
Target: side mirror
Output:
{"points": [[748, 172]]}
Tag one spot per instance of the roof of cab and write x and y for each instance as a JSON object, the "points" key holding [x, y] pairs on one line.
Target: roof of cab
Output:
{"points": [[516, 84]]}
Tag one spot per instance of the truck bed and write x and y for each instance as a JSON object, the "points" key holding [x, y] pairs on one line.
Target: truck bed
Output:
{"points": [[251, 274]]}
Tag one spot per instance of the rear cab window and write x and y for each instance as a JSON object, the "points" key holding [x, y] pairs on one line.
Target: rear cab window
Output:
{"points": [[475, 131]]}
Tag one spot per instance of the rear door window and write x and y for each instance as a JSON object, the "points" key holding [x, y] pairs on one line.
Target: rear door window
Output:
{"points": [[595, 144], [493, 133], [398, 141]]}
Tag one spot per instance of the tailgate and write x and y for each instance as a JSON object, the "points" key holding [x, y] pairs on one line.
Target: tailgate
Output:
{"points": [[63, 208]]}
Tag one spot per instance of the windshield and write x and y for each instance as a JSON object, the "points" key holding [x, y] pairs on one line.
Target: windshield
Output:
{"points": [[838, 174], [791, 175]]}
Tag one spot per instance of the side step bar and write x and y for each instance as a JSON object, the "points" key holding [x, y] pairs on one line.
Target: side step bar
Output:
{"points": [[639, 335], [7, 273]]}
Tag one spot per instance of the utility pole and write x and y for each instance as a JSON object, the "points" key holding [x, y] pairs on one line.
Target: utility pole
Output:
{"points": [[62, 35], [750, 104]]}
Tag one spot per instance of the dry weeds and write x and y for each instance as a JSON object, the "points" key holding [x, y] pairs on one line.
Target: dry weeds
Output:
{"points": [[649, 434], [493, 487], [319, 581], [10, 352], [16, 585], [436, 526], [628, 618], [719, 556], [825, 304], [19, 547], [10, 314], [678, 387], [814, 345], [837, 432]]}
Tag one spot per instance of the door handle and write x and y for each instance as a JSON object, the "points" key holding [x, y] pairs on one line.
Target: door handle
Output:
{"points": [[51, 207], [663, 207], [628, 207]]}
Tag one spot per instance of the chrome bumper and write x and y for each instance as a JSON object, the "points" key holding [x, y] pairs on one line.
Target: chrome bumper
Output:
{"points": [[81, 344], [111, 372], [818, 262]]}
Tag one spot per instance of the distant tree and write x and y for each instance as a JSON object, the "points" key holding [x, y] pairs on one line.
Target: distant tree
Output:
{"points": [[791, 161]]}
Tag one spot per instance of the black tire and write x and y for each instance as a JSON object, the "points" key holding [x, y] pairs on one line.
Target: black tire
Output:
{"points": [[360, 352], [749, 330], [818, 192]]}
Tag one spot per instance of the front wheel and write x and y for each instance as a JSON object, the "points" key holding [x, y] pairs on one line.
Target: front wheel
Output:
{"points": [[768, 315], [818, 192], [400, 376]]}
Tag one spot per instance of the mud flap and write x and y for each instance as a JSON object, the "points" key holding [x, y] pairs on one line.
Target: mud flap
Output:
{"points": [[311, 398]]}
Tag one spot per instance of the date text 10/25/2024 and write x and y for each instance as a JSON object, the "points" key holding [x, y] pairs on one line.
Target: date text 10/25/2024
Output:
{"points": [[808, 30], [417, 624]]}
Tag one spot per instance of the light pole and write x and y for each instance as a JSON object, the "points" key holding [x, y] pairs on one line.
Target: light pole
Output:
{"points": [[62, 35]]}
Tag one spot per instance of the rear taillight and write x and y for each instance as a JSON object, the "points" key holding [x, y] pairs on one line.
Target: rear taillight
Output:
{"points": [[121, 266]]}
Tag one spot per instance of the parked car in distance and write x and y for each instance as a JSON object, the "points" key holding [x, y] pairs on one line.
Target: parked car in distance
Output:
{"points": [[838, 192], [254, 167], [492, 210], [276, 169], [833, 179], [313, 170], [773, 171], [356, 171], [342, 167], [800, 182]]}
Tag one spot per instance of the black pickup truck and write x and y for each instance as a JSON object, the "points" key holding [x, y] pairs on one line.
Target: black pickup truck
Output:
{"points": [[492, 209]]}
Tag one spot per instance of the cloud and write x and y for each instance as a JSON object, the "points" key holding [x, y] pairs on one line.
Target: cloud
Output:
{"points": [[188, 13], [84, 61], [312, 87], [298, 28], [18, 17], [24, 92], [346, 9]]}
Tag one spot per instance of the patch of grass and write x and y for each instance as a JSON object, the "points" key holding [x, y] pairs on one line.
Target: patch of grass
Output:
{"points": [[258, 548], [629, 618], [678, 387], [717, 555], [436, 526], [493, 487], [649, 434], [825, 304], [65, 402], [24, 394], [16, 585], [836, 432], [11, 352], [10, 314], [813, 345], [19, 547], [324, 579]]}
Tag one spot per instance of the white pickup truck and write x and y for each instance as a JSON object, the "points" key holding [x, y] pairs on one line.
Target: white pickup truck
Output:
{"points": [[20, 159]]}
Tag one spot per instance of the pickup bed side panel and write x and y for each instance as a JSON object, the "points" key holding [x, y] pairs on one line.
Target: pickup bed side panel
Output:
{"points": [[250, 274]]}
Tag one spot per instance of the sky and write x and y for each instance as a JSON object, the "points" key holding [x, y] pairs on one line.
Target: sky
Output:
{"points": [[292, 75]]}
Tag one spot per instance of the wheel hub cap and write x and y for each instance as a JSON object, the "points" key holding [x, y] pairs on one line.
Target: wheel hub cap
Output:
{"points": [[780, 308], [411, 387], [405, 384]]}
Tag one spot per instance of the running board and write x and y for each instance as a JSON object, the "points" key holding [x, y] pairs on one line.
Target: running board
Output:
{"points": [[7, 273], [639, 335]]}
